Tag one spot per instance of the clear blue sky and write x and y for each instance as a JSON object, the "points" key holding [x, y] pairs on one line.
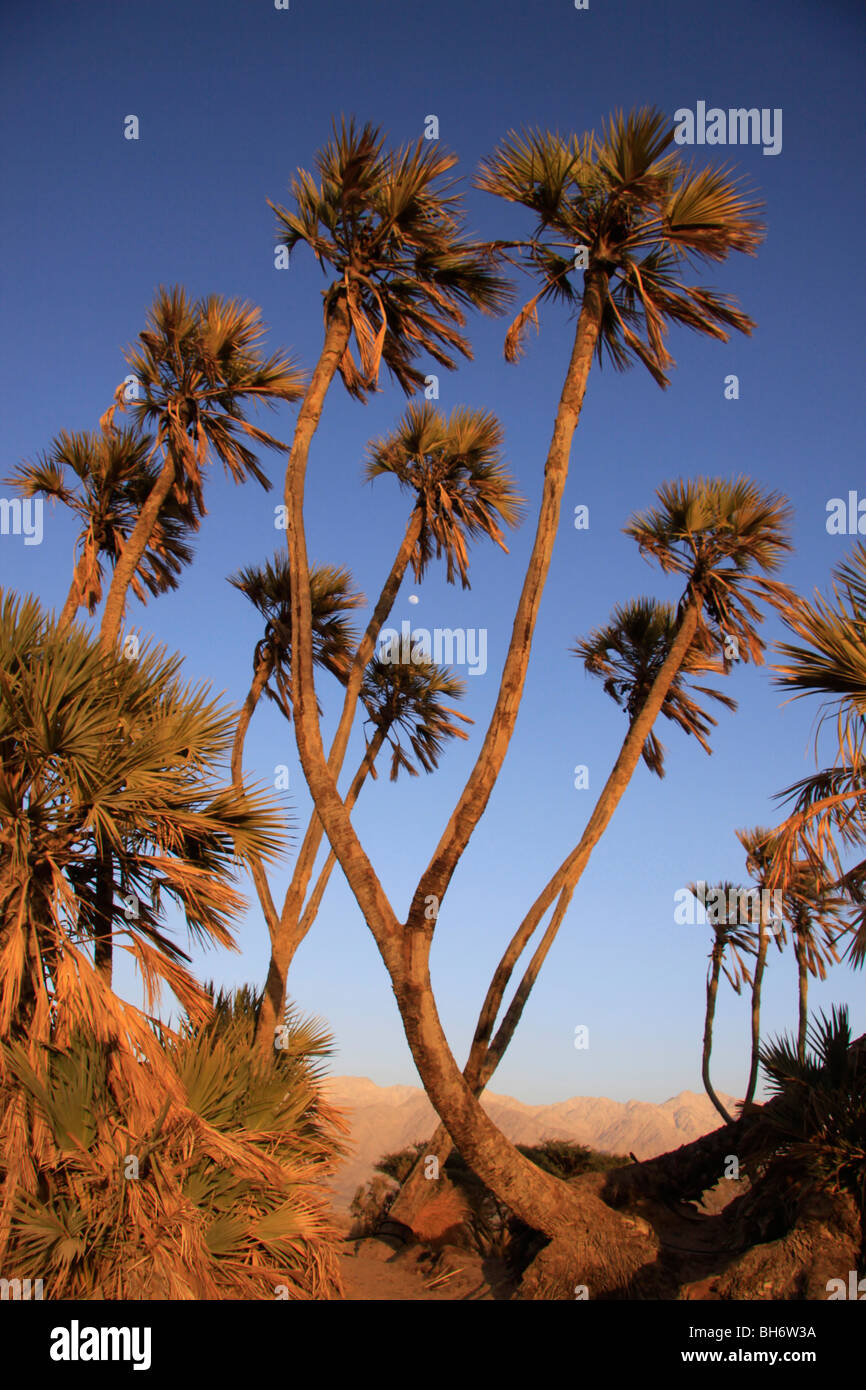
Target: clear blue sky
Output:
{"points": [[231, 98]]}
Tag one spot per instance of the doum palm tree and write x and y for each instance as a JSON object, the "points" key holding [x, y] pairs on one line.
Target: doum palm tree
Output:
{"points": [[113, 475], [733, 939], [717, 534], [197, 365], [452, 469], [623, 179]]}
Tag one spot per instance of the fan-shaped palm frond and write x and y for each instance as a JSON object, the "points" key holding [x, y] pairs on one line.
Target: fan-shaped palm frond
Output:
{"points": [[407, 700], [112, 475], [108, 760], [453, 470], [387, 225], [639, 216], [718, 533], [333, 596], [628, 653]]}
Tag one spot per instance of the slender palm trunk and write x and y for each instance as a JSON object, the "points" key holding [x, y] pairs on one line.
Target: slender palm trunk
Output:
{"points": [[712, 991], [73, 598], [756, 1007], [484, 1057], [129, 560], [803, 993], [261, 676], [287, 934], [482, 779]]}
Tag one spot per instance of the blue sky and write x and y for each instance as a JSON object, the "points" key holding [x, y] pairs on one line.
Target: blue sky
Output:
{"points": [[231, 98]]}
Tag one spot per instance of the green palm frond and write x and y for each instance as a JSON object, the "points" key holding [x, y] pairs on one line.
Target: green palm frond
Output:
{"points": [[198, 364], [407, 701], [113, 472]]}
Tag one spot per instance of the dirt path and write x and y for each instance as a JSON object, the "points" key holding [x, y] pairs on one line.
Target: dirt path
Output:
{"points": [[377, 1270]]}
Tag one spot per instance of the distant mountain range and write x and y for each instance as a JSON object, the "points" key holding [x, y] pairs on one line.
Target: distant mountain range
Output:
{"points": [[385, 1119]]}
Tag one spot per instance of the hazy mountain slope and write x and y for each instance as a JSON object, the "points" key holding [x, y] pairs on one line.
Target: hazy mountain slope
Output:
{"points": [[387, 1118]]}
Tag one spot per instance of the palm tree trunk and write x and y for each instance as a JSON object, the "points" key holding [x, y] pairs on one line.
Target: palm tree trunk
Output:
{"points": [[128, 562], [712, 991], [476, 793], [288, 933], [261, 676], [73, 598], [484, 1059], [287, 936], [541, 1201], [803, 994], [756, 1008]]}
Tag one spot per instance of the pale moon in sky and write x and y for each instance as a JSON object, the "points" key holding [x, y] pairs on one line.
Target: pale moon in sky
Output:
{"points": [[413, 598]]}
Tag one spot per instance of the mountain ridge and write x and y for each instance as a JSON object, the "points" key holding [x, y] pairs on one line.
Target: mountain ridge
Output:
{"points": [[385, 1119]]}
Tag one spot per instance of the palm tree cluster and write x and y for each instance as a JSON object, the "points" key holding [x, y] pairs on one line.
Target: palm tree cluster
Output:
{"points": [[115, 804]]}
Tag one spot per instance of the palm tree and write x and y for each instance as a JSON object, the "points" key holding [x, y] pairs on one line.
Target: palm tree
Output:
{"points": [[762, 858], [629, 653], [814, 1127], [828, 808], [197, 365], [716, 534], [109, 761], [814, 907], [452, 469], [731, 939], [231, 1161], [700, 215], [114, 476]]}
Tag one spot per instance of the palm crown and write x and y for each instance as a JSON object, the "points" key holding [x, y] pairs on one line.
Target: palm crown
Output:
{"points": [[108, 757], [390, 231], [733, 940], [333, 596], [115, 474], [642, 217], [717, 533], [830, 660], [197, 364], [452, 467], [630, 650], [407, 700]]}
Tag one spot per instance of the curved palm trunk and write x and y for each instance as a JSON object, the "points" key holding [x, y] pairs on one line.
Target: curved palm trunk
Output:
{"points": [[712, 991], [73, 598], [484, 1058], [756, 1009], [288, 934], [128, 562], [476, 793], [261, 676], [541, 1201]]}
